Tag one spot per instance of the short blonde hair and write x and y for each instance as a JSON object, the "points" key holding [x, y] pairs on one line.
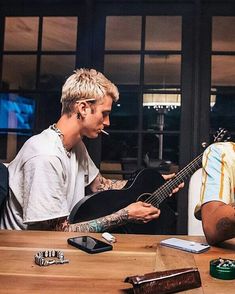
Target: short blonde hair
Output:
{"points": [[86, 84]]}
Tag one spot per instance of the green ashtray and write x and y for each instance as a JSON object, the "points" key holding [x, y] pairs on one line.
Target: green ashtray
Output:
{"points": [[222, 268]]}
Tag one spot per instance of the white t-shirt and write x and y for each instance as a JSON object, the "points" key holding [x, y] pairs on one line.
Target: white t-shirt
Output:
{"points": [[44, 182]]}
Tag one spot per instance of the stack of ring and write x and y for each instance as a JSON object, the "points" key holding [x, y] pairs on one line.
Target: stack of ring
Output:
{"points": [[40, 257]]}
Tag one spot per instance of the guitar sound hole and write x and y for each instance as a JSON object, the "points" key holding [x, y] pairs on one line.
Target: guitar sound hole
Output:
{"points": [[144, 197]]}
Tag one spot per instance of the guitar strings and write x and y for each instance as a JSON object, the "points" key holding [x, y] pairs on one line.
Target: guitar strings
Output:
{"points": [[159, 196], [166, 189]]}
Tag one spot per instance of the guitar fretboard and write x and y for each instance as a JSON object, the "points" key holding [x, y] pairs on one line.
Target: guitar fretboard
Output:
{"points": [[163, 192], [166, 189]]}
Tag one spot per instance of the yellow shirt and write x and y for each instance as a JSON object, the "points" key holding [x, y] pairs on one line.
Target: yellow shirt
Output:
{"points": [[218, 175]]}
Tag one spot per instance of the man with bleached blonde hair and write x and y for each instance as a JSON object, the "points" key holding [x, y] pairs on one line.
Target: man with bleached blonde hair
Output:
{"points": [[50, 173], [86, 85]]}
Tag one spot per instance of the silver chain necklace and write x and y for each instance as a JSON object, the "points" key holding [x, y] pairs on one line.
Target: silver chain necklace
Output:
{"points": [[61, 135]]}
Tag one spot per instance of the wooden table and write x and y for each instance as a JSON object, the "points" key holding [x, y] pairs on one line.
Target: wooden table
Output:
{"points": [[99, 273]]}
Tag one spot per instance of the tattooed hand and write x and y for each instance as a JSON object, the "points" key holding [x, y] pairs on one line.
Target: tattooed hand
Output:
{"points": [[170, 176], [142, 211]]}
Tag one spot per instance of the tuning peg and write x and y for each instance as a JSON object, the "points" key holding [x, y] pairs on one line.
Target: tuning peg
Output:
{"points": [[204, 144], [227, 139], [222, 135]]}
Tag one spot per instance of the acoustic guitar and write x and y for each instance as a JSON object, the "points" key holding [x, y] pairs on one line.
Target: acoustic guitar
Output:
{"points": [[142, 188]]}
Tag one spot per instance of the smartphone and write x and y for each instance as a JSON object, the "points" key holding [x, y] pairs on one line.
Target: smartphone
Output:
{"points": [[89, 244], [186, 245]]}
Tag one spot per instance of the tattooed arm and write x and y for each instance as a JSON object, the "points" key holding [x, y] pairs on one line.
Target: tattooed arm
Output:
{"points": [[98, 225], [218, 221], [138, 211], [100, 184]]}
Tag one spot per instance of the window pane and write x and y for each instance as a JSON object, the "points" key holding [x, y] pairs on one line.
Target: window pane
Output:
{"points": [[223, 110], [223, 33], [223, 71], [10, 145], [49, 108], [159, 147], [17, 112], [123, 33], [122, 69], [21, 33], [19, 71], [18, 115], [161, 112], [124, 149], [163, 33], [124, 115], [55, 69], [59, 33], [162, 70]]}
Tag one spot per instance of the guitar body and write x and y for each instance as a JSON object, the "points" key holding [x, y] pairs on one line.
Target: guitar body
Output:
{"points": [[107, 202], [144, 184]]}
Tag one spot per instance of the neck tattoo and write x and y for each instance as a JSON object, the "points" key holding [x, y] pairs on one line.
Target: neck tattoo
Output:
{"points": [[61, 135]]}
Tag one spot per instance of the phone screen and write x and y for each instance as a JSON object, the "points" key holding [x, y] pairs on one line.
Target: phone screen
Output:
{"points": [[89, 244]]}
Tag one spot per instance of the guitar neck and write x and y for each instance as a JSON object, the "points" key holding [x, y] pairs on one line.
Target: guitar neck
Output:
{"points": [[166, 189]]}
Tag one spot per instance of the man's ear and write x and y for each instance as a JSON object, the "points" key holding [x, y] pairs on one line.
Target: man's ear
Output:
{"points": [[81, 109]]}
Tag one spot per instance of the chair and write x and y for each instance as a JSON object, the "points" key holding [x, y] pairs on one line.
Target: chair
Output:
{"points": [[194, 225], [4, 177]]}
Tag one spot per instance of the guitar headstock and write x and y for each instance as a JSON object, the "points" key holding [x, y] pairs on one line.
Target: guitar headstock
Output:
{"points": [[222, 135]]}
